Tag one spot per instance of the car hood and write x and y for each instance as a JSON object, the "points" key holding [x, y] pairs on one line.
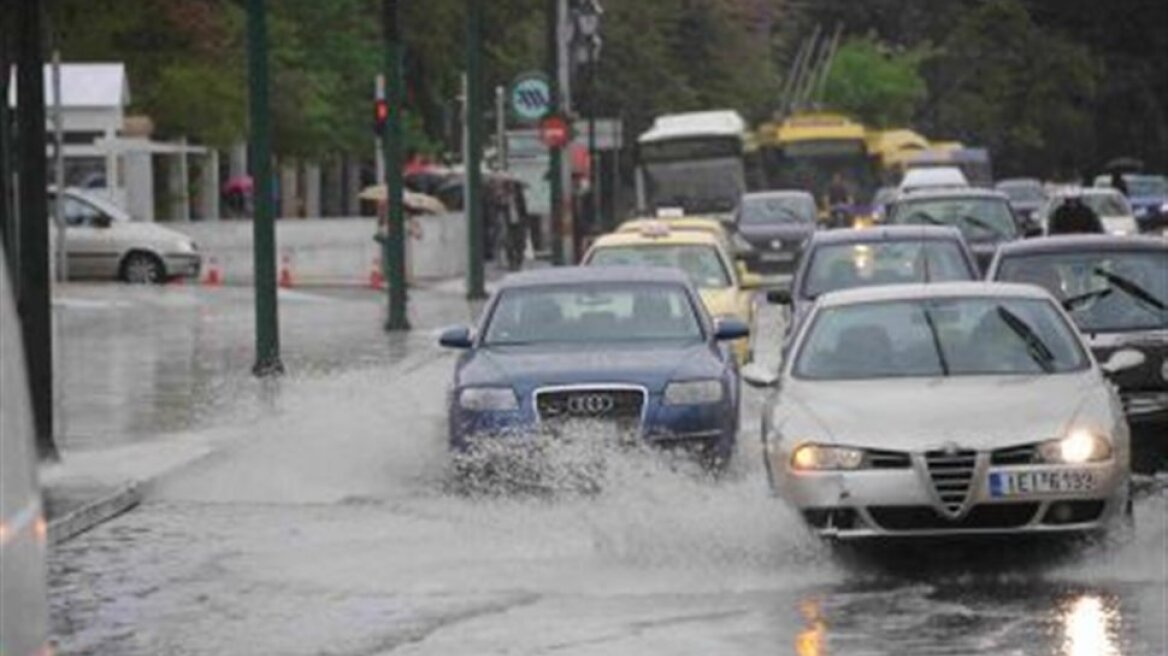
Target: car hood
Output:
{"points": [[721, 301], [763, 234], [979, 412], [528, 367]]}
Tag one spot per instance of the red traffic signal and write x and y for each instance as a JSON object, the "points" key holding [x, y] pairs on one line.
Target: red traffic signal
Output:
{"points": [[380, 116], [554, 131]]}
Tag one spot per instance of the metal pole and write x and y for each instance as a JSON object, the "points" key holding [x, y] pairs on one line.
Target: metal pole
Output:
{"points": [[555, 161], [821, 87], [33, 303], [8, 230], [394, 248], [378, 142], [62, 268], [593, 165], [474, 146], [263, 224], [501, 128]]}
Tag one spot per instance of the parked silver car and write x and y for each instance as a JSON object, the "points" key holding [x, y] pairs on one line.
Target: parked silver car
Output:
{"points": [[103, 242], [951, 408]]}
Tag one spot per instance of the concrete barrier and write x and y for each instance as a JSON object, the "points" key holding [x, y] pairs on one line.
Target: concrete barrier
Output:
{"points": [[332, 251]]}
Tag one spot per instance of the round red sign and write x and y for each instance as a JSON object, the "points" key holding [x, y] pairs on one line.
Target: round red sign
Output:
{"points": [[553, 131]]}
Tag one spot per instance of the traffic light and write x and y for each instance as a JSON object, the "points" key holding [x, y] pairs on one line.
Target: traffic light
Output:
{"points": [[380, 116]]}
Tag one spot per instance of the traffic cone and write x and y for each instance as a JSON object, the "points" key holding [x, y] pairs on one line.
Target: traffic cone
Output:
{"points": [[286, 271], [376, 277], [214, 276]]}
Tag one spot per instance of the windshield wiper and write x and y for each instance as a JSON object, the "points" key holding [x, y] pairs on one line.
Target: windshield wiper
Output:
{"points": [[928, 218], [1073, 302], [1035, 347], [1130, 288], [937, 342], [984, 225]]}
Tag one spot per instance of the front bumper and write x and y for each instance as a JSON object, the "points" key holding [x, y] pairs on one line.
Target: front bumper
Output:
{"points": [[904, 502], [183, 265], [707, 427]]}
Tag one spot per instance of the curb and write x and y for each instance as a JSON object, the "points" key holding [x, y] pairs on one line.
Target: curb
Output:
{"points": [[91, 515]]}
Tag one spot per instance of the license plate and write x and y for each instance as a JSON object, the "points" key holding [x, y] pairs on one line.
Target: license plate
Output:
{"points": [[1024, 483], [777, 257]]}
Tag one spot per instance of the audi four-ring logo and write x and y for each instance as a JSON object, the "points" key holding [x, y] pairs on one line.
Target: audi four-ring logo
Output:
{"points": [[590, 404]]}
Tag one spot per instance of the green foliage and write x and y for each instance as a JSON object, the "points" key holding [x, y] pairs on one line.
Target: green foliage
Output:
{"points": [[879, 86]]}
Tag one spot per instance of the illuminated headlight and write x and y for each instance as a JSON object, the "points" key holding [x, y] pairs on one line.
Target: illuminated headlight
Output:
{"points": [[693, 392], [818, 457], [488, 398], [1164, 208], [1080, 446]]}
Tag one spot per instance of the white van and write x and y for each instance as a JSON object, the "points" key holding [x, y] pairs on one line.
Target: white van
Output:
{"points": [[23, 602], [932, 177]]}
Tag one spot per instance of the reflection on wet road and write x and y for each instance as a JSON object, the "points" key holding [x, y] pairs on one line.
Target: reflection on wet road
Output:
{"points": [[327, 527]]}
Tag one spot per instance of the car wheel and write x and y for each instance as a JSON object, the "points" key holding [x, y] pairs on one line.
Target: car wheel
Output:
{"points": [[142, 269]]}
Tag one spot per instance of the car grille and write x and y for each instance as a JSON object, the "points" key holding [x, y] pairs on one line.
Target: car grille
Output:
{"points": [[1015, 455], [923, 518], [620, 406], [951, 474]]}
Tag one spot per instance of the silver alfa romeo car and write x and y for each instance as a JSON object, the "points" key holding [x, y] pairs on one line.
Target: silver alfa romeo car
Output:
{"points": [[945, 409]]}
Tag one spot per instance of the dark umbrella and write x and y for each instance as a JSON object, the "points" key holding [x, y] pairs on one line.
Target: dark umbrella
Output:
{"points": [[1124, 165]]}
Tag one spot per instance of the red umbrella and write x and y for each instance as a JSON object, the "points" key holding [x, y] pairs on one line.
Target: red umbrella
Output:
{"points": [[240, 184]]}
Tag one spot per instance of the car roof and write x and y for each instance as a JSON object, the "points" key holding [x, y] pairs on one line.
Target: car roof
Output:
{"points": [[594, 274], [969, 289], [777, 193], [1018, 182], [951, 192], [675, 223], [1082, 242], [675, 237], [887, 233]]}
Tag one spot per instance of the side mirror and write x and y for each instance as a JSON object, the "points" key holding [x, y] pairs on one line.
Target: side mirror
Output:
{"points": [[1123, 360], [756, 375], [779, 296], [102, 221], [456, 337], [730, 329]]}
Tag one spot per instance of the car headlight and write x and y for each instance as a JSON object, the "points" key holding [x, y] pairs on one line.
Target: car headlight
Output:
{"points": [[1078, 447], [1164, 208], [693, 392], [819, 457], [488, 398]]}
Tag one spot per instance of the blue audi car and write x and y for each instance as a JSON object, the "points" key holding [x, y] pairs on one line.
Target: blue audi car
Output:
{"points": [[624, 348]]}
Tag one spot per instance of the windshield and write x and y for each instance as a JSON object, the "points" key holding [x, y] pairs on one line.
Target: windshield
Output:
{"points": [[700, 262], [842, 266], [708, 185], [977, 218], [1023, 192], [938, 337], [1147, 185], [1107, 204], [593, 313], [1104, 291], [762, 210]]}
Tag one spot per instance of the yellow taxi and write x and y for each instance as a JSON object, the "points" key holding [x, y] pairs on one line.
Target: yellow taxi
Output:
{"points": [[726, 288], [691, 223]]}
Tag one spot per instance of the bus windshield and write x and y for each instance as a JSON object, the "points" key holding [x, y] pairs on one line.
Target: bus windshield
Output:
{"points": [[697, 186]]}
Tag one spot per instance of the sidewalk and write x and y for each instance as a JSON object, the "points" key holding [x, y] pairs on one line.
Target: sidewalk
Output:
{"points": [[152, 380]]}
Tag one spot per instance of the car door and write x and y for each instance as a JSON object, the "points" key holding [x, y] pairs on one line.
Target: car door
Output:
{"points": [[91, 244]]}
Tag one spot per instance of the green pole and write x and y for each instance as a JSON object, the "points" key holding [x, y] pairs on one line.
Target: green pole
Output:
{"points": [[474, 150], [263, 224], [33, 303], [394, 247], [556, 197]]}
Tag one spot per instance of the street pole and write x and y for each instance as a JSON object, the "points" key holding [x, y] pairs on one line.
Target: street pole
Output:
{"points": [[501, 128], [62, 268], [263, 223], [593, 165], [474, 148], [33, 303], [555, 162], [394, 248]]}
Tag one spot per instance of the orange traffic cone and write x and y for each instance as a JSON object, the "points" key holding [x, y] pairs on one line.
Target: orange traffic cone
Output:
{"points": [[376, 277], [214, 276], [285, 271]]}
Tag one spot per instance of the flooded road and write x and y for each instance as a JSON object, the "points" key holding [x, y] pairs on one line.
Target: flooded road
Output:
{"points": [[328, 526]]}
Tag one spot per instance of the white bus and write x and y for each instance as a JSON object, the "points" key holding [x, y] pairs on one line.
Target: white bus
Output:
{"points": [[701, 162]]}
